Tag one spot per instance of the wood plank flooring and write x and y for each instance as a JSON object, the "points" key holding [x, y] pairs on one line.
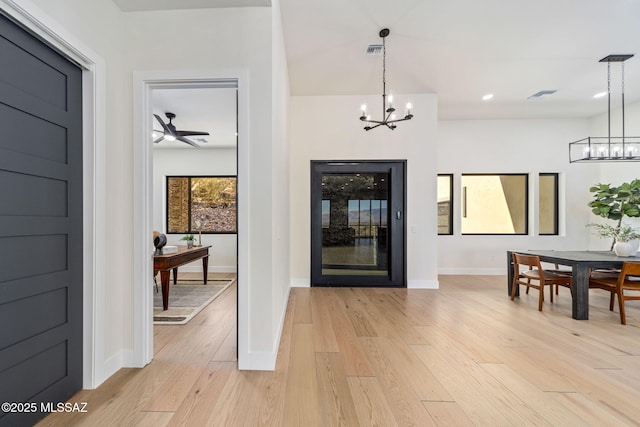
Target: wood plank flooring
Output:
{"points": [[462, 355]]}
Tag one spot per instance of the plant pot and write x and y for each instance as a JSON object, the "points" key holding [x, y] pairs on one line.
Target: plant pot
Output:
{"points": [[190, 244], [622, 249]]}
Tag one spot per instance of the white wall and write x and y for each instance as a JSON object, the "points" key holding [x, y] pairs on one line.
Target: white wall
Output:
{"points": [[190, 161], [280, 191], [328, 128], [514, 146], [229, 38], [226, 39]]}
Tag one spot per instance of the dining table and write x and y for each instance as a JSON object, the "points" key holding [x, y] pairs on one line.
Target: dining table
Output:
{"points": [[581, 263]]}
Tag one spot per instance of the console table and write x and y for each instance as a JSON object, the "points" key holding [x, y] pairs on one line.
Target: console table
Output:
{"points": [[165, 263]]}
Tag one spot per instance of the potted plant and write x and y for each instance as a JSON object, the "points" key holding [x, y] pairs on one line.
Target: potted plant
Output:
{"points": [[615, 203], [623, 236], [189, 238]]}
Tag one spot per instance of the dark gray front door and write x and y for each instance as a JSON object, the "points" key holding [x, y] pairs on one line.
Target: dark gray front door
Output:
{"points": [[357, 223], [40, 226]]}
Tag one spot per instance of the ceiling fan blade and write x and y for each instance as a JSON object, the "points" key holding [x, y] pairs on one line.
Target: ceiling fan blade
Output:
{"points": [[188, 141], [190, 132], [163, 124], [155, 141]]}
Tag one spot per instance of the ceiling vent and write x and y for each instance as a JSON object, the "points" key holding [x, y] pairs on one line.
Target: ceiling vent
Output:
{"points": [[374, 50], [542, 93]]}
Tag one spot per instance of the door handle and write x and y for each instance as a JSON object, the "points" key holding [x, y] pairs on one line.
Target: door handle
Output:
{"points": [[398, 215]]}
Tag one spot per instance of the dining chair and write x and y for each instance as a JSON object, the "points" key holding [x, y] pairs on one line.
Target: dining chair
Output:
{"points": [[567, 271], [628, 279], [527, 271]]}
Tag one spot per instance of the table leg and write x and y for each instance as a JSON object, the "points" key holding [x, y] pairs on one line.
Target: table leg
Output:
{"points": [[580, 285], [164, 277], [205, 267], [510, 274], [175, 276]]}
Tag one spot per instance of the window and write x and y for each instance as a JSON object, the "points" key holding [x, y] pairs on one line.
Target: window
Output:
{"points": [[494, 204], [204, 204], [548, 204], [445, 204]]}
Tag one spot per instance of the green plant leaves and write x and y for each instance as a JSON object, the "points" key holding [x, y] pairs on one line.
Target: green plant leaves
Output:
{"points": [[616, 202]]}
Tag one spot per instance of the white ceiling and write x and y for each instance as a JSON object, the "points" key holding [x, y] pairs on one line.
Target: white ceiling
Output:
{"points": [[459, 50]]}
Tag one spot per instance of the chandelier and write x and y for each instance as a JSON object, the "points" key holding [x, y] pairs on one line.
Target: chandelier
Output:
{"points": [[388, 117], [608, 148]]}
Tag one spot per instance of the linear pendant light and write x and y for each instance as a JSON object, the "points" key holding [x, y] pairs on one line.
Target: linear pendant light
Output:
{"points": [[608, 148]]}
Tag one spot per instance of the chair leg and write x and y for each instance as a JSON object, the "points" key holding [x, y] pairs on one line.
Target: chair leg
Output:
{"points": [[541, 297], [528, 281], [551, 291], [612, 300], [623, 316]]}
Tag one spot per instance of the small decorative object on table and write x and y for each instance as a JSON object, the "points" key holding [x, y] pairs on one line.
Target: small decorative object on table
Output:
{"points": [[189, 239], [159, 240]]}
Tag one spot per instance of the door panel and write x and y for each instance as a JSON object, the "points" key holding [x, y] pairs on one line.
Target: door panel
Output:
{"points": [[357, 223], [40, 224]]}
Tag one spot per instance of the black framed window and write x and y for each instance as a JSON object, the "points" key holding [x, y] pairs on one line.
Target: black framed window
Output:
{"points": [[548, 204], [204, 204], [445, 204], [495, 204]]}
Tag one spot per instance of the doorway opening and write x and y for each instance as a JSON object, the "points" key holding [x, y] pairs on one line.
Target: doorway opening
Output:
{"points": [[194, 188], [357, 223], [146, 82]]}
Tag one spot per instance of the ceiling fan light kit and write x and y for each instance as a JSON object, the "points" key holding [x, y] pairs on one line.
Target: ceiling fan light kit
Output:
{"points": [[608, 148], [388, 117], [170, 133]]}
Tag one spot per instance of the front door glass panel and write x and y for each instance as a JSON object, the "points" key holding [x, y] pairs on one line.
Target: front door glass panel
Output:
{"points": [[355, 218]]}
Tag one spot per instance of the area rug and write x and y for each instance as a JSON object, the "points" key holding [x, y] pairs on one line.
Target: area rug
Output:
{"points": [[186, 299]]}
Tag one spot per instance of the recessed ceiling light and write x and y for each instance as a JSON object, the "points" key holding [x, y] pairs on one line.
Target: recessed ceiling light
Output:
{"points": [[600, 94], [487, 97]]}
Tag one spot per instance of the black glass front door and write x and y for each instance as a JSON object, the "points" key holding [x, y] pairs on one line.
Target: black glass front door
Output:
{"points": [[357, 221]]}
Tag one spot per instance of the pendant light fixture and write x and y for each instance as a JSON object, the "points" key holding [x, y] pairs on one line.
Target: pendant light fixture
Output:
{"points": [[388, 116], [608, 148]]}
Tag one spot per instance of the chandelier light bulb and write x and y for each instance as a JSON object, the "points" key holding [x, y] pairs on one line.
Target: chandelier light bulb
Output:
{"points": [[408, 113]]}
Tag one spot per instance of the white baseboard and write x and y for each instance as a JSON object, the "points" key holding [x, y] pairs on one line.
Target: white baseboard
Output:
{"points": [[300, 283], [122, 359], [473, 271], [423, 284]]}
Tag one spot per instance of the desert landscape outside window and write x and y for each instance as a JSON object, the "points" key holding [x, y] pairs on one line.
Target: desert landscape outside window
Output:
{"points": [[205, 204]]}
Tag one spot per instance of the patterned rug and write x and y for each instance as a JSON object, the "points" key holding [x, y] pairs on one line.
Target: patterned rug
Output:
{"points": [[186, 299]]}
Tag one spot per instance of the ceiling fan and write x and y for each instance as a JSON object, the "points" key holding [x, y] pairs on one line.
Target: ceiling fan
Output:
{"points": [[170, 133]]}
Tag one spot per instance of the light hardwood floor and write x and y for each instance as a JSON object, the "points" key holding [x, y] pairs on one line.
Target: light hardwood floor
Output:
{"points": [[461, 355]]}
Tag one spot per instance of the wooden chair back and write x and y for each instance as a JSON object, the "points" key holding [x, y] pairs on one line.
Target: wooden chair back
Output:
{"points": [[628, 269]]}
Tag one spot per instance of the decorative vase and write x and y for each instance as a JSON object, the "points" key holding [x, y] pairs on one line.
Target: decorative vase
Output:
{"points": [[622, 249], [190, 244]]}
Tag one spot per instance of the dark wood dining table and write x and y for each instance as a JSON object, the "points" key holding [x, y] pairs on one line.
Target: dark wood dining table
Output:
{"points": [[581, 263]]}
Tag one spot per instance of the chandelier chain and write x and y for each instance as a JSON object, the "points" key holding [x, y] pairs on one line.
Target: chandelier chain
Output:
{"points": [[384, 65]]}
